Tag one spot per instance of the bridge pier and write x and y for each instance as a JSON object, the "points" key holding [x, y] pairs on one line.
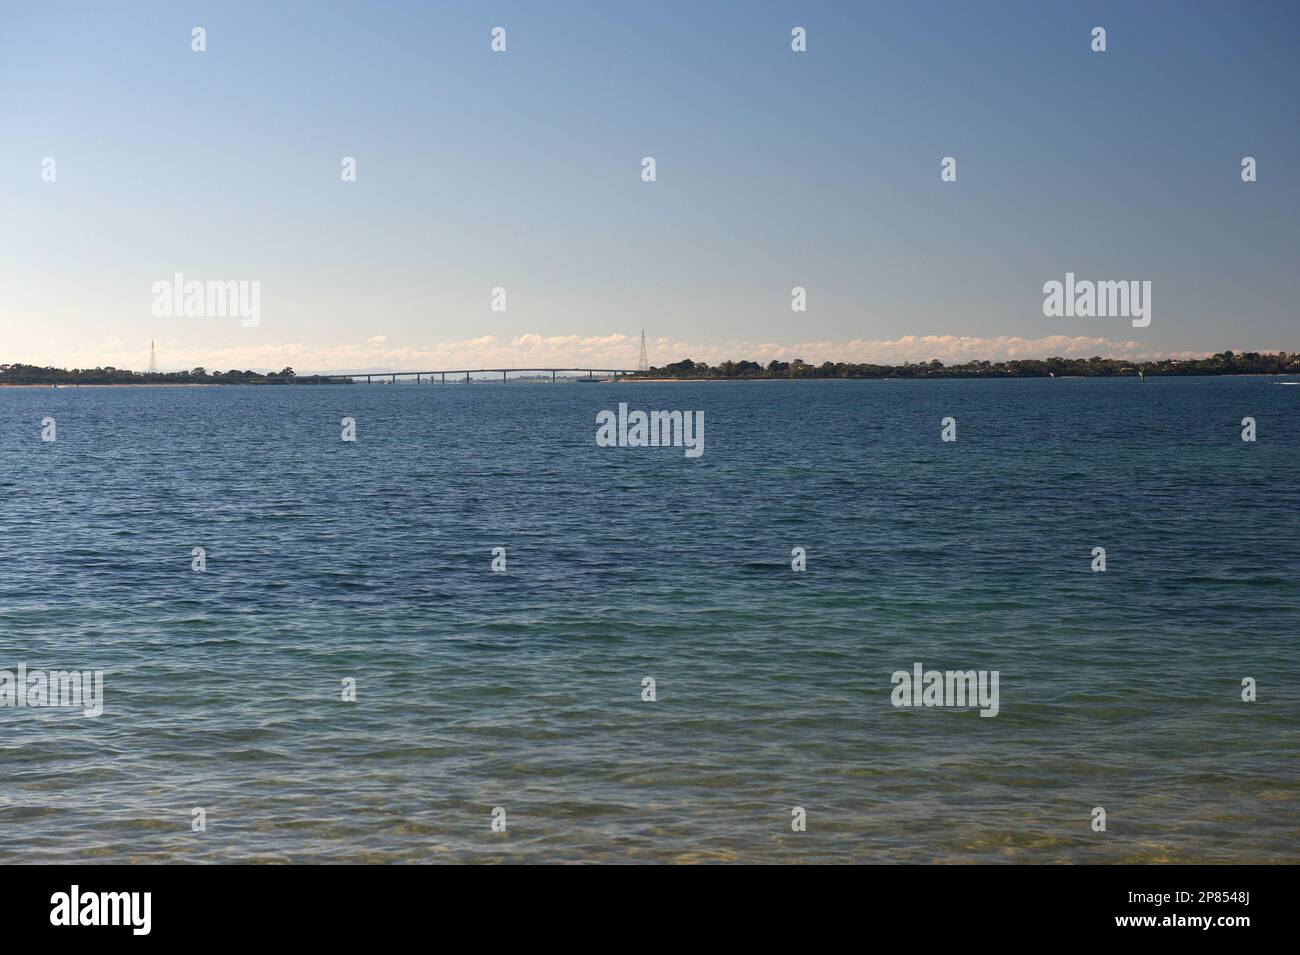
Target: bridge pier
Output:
{"points": [[367, 379], [467, 378], [503, 377], [552, 377]]}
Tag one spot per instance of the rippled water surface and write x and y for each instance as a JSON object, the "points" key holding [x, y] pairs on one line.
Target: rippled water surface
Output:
{"points": [[522, 689]]}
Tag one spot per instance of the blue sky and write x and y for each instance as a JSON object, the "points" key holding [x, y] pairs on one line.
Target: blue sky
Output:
{"points": [[522, 170]]}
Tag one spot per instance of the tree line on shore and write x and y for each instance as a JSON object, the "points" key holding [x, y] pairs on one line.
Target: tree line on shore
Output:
{"points": [[20, 374], [1224, 363]]}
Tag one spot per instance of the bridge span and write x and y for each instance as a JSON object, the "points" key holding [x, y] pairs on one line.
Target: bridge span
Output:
{"points": [[505, 374]]}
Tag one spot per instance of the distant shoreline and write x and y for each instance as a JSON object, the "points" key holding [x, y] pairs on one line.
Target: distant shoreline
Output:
{"points": [[122, 384], [626, 380], [1244, 374], [1223, 364]]}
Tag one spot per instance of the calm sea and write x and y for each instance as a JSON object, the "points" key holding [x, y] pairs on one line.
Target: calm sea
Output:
{"points": [[372, 560]]}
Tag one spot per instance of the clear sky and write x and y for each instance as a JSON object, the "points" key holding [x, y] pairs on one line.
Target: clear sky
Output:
{"points": [[522, 170]]}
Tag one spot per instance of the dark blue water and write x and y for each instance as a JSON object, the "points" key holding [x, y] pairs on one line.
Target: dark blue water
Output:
{"points": [[522, 690]]}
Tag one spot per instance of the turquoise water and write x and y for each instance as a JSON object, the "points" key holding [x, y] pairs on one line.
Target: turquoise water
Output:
{"points": [[522, 689]]}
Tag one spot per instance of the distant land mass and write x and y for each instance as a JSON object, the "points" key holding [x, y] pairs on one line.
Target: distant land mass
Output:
{"points": [[36, 375], [1224, 363]]}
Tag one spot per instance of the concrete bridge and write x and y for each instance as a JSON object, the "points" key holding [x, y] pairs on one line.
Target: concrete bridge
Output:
{"points": [[505, 373]]}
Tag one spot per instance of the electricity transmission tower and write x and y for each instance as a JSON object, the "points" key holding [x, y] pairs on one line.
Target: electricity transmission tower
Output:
{"points": [[153, 359], [643, 363]]}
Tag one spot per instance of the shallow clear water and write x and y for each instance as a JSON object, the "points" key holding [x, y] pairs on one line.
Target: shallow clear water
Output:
{"points": [[522, 689]]}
